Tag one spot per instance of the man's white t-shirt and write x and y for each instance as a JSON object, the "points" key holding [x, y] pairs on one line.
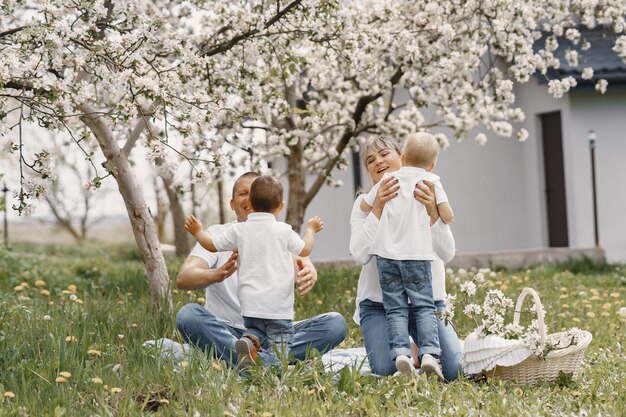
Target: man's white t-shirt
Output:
{"points": [[221, 298], [266, 266], [404, 229]]}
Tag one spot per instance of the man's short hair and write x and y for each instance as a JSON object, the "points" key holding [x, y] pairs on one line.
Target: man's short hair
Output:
{"points": [[249, 174], [420, 149], [266, 194]]}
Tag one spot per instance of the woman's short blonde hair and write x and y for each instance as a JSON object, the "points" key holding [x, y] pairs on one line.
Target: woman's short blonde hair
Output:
{"points": [[380, 142]]}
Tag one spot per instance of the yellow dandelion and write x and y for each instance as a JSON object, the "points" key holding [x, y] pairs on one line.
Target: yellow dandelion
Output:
{"points": [[105, 387], [588, 306], [71, 288], [576, 394], [504, 287], [614, 294], [561, 314], [189, 292], [25, 284], [23, 298], [319, 302], [78, 301], [267, 414], [595, 298], [498, 282], [60, 380], [563, 296], [200, 300], [18, 288], [65, 374], [591, 314], [576, 320], [565, 305], [606, 306], [116, 390], [44, 292], [40, 283], [164, 401], [133, 325], [175, 291], [96, 381], [183, 364], [50, 303], [594, 290], [8, 394], [120, 302], [563, 289], [216, 366], [130, 294], [347, 293], [94, 352], [70, 339], [65, 292]]}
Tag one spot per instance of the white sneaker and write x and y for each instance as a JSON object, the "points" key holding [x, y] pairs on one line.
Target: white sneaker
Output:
{"points": [[404, 365], [430, 366]]}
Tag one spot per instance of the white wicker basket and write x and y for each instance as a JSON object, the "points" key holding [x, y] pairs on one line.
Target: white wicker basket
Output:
{"points": [[535, 369]]}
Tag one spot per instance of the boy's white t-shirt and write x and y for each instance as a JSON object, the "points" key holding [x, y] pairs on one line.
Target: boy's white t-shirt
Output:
{"points": [[221, 297], [404, 229], [266, 267]]}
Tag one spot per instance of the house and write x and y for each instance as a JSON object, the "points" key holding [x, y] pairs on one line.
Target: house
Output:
{"points": [[509, 195]]}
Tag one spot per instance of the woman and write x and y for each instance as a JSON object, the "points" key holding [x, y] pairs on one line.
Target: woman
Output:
{"points": [[383, 155]]}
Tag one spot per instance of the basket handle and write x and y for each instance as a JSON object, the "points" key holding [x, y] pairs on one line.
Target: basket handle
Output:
{"points": [[538, 310]]}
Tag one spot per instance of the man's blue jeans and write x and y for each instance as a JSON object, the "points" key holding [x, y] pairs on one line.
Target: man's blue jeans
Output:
{"points": [[372, 317], [199, 327], [401, 281]]}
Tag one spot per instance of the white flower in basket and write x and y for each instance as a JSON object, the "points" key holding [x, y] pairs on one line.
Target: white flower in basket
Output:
{"points": [[511, 351]]}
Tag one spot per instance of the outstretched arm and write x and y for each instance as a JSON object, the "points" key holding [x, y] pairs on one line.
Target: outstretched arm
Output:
{"points": [[195, 273], [194, 226], [314, 225]]}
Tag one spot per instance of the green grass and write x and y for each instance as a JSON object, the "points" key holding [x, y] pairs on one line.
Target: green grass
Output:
{"points": [[113, 318]]}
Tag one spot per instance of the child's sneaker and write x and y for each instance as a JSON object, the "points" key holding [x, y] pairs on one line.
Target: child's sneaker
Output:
{"points": [[430, 365], [404, 365], [247, 348]]}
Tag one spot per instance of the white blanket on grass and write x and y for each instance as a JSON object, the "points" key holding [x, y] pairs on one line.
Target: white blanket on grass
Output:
{"points": [[334, 360]]}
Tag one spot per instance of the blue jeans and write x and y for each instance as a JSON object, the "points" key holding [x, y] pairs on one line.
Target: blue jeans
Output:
{"points": [[278, 333], [199, 327], [401, 281], [373, 317]]}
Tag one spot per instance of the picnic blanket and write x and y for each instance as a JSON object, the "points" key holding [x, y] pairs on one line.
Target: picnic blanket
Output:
{"points": [[334, 360]]}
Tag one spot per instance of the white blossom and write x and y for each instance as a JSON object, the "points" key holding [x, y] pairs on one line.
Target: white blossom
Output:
{"points": [[601, 86]]}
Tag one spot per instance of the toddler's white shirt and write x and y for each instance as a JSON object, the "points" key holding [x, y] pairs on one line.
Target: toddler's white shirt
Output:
{"points": [[404, 229], [266, 267]]}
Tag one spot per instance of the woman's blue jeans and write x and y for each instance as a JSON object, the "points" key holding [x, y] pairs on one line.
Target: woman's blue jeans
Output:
{"points": [[373, 318]]}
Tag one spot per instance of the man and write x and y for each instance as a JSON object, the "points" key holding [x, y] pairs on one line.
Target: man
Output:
{"points": [[217, 326]]}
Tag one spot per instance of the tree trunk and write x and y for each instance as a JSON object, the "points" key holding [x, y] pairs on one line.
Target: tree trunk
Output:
{"points": [[138, 212], [297, 193], [181, 237], [162, 208], [220, 199]]}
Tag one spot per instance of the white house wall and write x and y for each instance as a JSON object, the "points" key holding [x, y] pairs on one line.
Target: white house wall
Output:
{"points": [[606, 115]]}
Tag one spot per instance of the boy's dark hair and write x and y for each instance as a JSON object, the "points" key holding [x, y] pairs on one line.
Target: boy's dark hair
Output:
{"points": [[266, 194]]}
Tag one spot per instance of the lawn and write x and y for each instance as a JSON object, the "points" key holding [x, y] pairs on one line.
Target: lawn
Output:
{"points": [[73, 320]]}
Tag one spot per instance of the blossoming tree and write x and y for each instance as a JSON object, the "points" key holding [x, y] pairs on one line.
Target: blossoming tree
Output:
{"points": [[392, 67], [119, 73], [183, 78]]}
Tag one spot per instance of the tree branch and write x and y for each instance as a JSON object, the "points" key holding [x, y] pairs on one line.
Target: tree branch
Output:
{"points": [[348, 134], [226, 45]]}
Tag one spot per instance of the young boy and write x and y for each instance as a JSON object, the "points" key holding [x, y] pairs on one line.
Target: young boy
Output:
{"points": [[266, 266], [403, 248]]}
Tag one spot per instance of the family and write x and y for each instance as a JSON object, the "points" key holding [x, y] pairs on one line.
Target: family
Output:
{"points": [[248, 269]]}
